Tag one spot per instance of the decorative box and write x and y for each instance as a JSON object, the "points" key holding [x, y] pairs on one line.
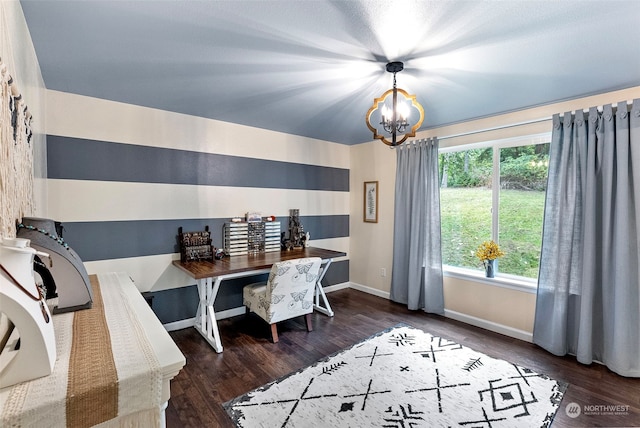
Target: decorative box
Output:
{"points": [[195, 246]]}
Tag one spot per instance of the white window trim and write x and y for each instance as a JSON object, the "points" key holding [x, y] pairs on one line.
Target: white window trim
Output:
{"points": [[512, 282]]}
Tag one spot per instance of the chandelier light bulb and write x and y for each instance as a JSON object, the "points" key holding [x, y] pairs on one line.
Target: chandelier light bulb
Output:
{"points": [[403, 111], [386, 113]]}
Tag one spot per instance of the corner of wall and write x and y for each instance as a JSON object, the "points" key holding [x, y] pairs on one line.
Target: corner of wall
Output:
{"points": [[19, 54]]}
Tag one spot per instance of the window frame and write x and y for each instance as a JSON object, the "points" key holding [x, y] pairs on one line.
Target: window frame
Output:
{"points": [[504, 280]]}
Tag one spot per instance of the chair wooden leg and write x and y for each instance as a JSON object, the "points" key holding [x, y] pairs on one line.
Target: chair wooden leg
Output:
{"points": [[307, 318], [274, 333]]}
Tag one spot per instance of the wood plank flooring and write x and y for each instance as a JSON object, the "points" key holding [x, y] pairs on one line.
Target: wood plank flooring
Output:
{"points": [[250, 360]]}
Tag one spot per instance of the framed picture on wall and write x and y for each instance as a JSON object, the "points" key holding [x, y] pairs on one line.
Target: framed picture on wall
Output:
{"points": [[371, 201]]}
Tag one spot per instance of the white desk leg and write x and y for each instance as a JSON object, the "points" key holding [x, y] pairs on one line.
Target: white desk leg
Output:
{"points": [[163, 415], [202, 295], [206, 322], [326, 309], [212, 316]]}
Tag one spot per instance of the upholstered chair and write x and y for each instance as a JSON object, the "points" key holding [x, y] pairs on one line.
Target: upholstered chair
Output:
{"points": [[288, 293]]}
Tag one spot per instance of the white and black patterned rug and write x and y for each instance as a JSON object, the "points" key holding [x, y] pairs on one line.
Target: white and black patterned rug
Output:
{"points": [[403, 377]]}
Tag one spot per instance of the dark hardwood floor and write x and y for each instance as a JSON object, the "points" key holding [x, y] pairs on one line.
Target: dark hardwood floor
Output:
{"points": [[250, 360]]}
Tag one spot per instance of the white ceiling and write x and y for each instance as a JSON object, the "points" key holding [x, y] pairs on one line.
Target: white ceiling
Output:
{"points": [[312, 68]]}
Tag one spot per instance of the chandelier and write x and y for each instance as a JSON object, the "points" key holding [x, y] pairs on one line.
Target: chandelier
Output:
{"points": [[393, 114]]}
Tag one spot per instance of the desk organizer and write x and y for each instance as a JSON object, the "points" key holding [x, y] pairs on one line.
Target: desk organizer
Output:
{"points": [[195, 246], [251, 237], [236, 238]]}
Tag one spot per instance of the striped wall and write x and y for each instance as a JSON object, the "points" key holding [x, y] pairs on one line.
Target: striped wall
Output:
{"points": [[124, 178]]}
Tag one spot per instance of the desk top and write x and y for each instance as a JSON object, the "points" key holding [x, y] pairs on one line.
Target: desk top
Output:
{"points": [[235, 264]]}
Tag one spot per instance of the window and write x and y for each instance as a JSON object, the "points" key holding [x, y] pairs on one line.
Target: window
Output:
{"points": [[494, 191]]}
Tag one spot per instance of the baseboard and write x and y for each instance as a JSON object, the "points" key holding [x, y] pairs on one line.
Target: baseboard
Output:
{"points": [[490, 325], [458, 316], [179, 325], [467, 319], [370, 290], [190, 322], [336, 287]]}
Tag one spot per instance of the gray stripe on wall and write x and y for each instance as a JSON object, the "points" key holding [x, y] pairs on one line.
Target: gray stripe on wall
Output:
{"points": [[121, 239], [81, 159]]}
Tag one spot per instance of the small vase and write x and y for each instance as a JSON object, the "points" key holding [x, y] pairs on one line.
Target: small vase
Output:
{"points": [[490, 268]]}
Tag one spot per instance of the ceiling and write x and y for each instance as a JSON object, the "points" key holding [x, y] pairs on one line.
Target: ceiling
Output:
{"points": [[312, 68]]}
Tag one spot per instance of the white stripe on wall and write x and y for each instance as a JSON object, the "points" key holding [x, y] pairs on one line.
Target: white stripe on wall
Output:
{"points": [[83, 200], [126, 123], [149, 273]]}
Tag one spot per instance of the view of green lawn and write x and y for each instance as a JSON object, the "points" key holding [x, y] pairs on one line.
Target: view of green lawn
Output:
{"points": [[466, 223]]}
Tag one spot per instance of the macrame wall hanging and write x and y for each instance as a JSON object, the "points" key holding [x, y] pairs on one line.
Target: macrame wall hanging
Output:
{"points": [[16, 155]]}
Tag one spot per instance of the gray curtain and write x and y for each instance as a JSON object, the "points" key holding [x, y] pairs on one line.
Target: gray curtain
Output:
{"points": [[416, 278], [588, 301]]}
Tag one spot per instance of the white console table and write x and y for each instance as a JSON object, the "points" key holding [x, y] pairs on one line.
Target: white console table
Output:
{"points": [[126, 385]]}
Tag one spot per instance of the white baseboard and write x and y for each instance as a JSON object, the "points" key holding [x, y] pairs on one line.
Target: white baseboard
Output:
{"points": [[370, 290], [179, 325], [234, 312], [458, 316], [190, 322], [490, 325], [336, 287]]}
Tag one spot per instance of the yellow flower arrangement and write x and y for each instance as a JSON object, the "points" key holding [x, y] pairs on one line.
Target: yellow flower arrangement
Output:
{"points": [[489, 250]]}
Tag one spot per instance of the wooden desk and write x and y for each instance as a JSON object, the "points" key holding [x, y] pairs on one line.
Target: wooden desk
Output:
{"points": [[209, 276]]}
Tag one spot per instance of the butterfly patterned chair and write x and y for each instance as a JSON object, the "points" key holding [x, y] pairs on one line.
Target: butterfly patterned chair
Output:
{"points": [[288, 293]]}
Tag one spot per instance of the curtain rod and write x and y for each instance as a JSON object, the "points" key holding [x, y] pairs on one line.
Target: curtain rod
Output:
{"points": [[511, 125], [493, 128]]}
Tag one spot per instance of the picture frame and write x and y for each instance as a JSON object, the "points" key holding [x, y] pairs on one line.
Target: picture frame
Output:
{"points": [[370, 214]]}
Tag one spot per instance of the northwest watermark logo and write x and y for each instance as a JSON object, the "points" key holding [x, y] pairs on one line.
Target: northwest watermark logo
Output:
{"points": [[605, 409], [573, 410]]}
